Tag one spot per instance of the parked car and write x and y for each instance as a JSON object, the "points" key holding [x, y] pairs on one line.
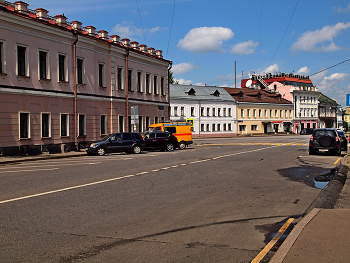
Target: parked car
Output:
{"points": [[307, 131], [344, 140], [325, 140], [128, 142], [161, 141]]}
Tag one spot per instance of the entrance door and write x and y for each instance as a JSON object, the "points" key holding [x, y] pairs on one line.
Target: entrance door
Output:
{"points": [[265, 127]]}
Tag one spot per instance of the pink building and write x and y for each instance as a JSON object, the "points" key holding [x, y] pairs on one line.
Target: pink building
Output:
{"points": [[64, 84]]}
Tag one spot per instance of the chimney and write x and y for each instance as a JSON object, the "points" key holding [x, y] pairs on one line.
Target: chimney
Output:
{"points": [[151, 51], [103, 34], [76, 25], [21, 7], [159, 53], [143, 48], [90, 30], [135, 45], [126, 42], [41, 13], [61, 20], [115, 38]]}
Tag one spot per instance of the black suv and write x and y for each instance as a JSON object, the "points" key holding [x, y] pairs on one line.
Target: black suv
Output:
{"points": [[128, 142], [161, 140], [323, 140], [307, 131]]}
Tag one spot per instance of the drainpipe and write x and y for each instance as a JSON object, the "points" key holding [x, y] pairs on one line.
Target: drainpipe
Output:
{"points": [[199, 119], [127, 88], [169, 109], [75, 90]]}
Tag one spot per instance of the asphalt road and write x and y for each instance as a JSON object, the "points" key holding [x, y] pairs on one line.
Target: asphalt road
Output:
{"points": [[218, 201]]}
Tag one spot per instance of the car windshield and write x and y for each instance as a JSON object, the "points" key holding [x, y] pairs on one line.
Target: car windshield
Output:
{"points": [[106, 137], [324, 132]]}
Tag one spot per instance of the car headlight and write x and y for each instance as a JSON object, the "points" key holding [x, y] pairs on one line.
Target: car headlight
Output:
{"points": [[93, 145]]}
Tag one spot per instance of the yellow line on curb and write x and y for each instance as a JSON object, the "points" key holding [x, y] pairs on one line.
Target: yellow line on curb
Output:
{"points": [[337, 161], [268, 247]]}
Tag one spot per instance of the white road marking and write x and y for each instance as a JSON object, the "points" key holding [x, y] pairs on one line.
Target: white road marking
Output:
{"points": [[35, 170]]}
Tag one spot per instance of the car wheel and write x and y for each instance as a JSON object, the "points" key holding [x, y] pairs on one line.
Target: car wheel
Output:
{"points": [[136, 149], [169, 147], [182, 145], [101, 151]]}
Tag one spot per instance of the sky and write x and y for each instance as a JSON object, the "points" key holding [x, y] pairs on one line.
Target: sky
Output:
{"points": [[204, 38]]}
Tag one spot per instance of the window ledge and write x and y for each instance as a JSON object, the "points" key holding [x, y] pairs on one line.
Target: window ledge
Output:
{"points": [[20, 77], [43, 138], [45, 80], [61, 82], [81, 136], [67, 136], [81, 85], [25, 139], [102, 88], [3, 75]]}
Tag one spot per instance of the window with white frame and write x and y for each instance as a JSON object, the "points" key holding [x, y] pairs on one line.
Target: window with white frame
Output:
{"points": [[175, 111], [219, 127], [281, 113], [139, 77], [202, 111], [64, 124], [148, 79], [219, 112], [224, 126], [192, 111], [208, 111], [44, 71], [162, 86], [45, 125], [213, 127], [62, 68], [242, 113], [155, 84], [208, 127], [24, 125], [213, 111], [202, 127], [182, 111], [260, 113], [242, 128], [81, 124], [290, 113], [22, 61], [254, 127], [229, 127], [229, 112], [271, 114], [265, 113], [248, 113], [285, 114], [80, 71], [224, 112], [254, 113], [103, 124], [276, 113]]}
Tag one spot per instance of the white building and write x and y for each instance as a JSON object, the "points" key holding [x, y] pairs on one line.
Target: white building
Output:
{"points": [[211, 109]]}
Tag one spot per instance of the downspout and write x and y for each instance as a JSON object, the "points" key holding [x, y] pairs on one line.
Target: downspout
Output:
{"points": [[199, 119], [169, 108], [127, 88], [75, 90]]}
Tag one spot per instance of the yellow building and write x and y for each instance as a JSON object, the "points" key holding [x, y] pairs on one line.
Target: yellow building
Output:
{"points": [[261, 112]]}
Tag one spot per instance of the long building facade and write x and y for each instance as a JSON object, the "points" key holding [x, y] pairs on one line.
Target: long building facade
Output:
{"points": [[64, 84]]}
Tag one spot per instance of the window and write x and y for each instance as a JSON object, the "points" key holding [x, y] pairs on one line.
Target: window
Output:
{"points": [[213, 112], [82, 124], [175, 111], [208, 110], [224, 126], [290, 113], [64, 124], [276, 113], [208, 127], [254, 113], [139, 81], [229, 112], [101, 80], [147, 83], [285, 114], [162, 90], [213, 127], [22, 61], [45, 125], [265, 113], [119, 78], [281, 113], [242, 128], [271, 114], [219, 127], [129, 79], [43, 65], [260, 113], [62, 66], [254, 127], [182, 111], [242, 113], [224, 113], [24, 125], [155, 82], [1, 57], [219, 112], [80, 71], [229, 127], [248, 113], [202, 127], [103, 124], [202, 111], [192, 111]]}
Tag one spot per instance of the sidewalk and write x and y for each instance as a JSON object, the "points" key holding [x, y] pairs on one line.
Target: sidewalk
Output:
{"points": [[323, 235]]}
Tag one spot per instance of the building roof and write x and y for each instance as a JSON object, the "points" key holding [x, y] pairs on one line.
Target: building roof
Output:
{"points": [[193, 92], [326, 100], [256, 96]]}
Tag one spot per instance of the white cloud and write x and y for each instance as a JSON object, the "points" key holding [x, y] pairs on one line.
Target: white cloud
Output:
{"points": [[304, 70], [183, 81], [314, 40], [205, 39], [127, 30], [182, 68], [271, 69], [341, 10], [326, 83], [244, 47], [200, 84]]}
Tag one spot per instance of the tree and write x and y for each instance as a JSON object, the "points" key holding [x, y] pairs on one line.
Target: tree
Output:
{"points": [[171, 78]]}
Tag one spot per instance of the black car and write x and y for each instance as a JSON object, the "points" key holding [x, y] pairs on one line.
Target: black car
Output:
{"points": [[323, 140], [344, 141], [128, 142], [307, 131], [160, 140]]}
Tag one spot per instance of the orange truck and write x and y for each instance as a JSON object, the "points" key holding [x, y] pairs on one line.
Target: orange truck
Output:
{"points": [[182, 131]]}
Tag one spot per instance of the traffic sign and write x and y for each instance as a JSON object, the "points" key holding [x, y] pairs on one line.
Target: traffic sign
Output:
{"points": [[347, 99]]}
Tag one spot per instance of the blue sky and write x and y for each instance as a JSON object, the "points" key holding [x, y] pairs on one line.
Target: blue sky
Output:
{"points": [[204, 38]]}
